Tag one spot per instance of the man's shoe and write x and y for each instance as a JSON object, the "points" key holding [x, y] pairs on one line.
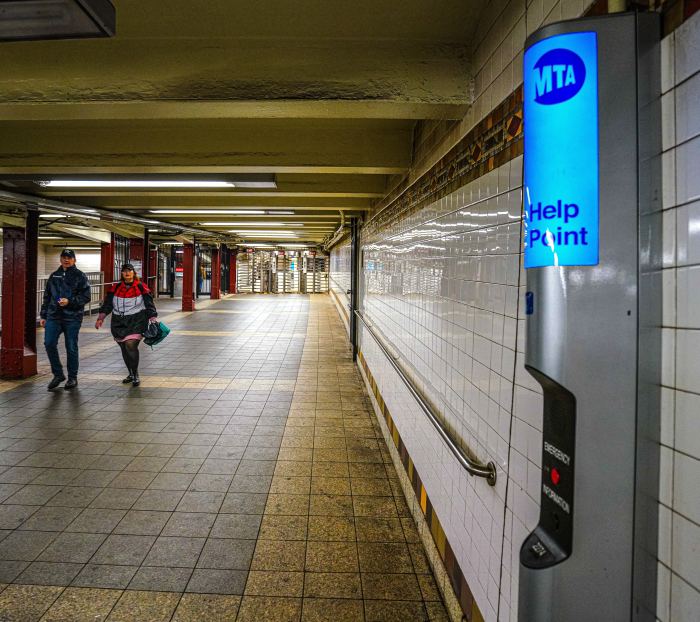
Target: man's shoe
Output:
{"points": [[71, 384], [55, 382], [136, 380]]}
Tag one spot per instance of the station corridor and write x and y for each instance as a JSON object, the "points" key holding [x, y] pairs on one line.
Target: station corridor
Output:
{"points": [[246, 477]]}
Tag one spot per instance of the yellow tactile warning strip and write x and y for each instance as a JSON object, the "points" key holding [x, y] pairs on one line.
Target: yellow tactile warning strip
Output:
{"points": [[454, 572]]}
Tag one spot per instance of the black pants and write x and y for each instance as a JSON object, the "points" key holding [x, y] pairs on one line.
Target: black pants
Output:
{"points": [[130, 354]]}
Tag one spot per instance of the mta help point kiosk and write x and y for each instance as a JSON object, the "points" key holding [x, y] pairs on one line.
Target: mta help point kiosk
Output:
{"points": [[593, 307]]}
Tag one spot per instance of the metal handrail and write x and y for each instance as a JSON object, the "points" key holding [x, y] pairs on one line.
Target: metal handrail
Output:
{"points": [[473, 467]]}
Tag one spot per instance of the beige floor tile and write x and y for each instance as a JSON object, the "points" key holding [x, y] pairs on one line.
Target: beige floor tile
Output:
{"points": [[331, 469], [283, 527], [371, 487], [376, 586], [290, 485], [379, 507], [331, 505], [382, 557], [207, 608], [293, 469], [394, 611], [330, 485], [26, 603], [78, 603], [337, 610], [277, 555], [269, 609], [151, 606], [332, 528], [331, 557], [370, 529], [291, 505], [274, 583], [332, 585]]}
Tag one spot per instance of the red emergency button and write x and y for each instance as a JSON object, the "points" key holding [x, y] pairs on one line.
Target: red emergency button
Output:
{"points": [[554, 474]]}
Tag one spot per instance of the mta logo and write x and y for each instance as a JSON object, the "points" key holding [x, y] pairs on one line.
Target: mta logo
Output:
{"points": [[558, 76]]}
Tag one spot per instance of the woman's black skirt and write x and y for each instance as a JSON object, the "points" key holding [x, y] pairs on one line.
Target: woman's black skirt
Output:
{"points": [[125, 325]]}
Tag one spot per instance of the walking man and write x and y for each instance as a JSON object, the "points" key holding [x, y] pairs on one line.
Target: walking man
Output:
{"points": [[66, 294]]}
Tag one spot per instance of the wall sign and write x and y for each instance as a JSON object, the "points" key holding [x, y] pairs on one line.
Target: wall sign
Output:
{"points": [[561, 151]]}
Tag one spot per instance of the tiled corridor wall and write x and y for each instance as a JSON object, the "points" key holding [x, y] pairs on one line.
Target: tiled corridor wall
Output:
{"points": [[340, 282], [679, 517], [442, 286]]}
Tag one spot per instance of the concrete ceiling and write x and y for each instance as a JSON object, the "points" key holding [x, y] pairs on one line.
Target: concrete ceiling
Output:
{"points": [[323, 94]]}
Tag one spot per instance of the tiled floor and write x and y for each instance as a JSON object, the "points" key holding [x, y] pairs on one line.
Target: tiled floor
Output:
{"points": [[246, 479]]}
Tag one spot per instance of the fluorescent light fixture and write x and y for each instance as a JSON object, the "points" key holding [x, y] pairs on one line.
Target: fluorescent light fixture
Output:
{"points": [[133, 183], [169, 243], [281, 212], [262, 232], [238, 212], [256, 245], [50, 237], [257, 223], [23, 20], [295, 246], [52, 216], [82, 248]]}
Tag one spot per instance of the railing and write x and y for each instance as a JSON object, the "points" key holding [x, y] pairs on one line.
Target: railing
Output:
{"points": [[97, 291], [473, 467]]}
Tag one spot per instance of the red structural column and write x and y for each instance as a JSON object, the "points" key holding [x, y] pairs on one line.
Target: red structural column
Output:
{"points": [[188, 278], [153, 270], [215, 274], [30, 294], [136, 253], [232, 271], [17, 359], [107, 262]]}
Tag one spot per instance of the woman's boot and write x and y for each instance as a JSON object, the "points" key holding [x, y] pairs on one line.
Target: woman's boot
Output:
{"points": [[136, 381], [129, 378]]}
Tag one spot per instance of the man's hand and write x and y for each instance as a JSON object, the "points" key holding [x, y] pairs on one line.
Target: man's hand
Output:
{"points": [[42, 323], [98, 324], [63, 302]]}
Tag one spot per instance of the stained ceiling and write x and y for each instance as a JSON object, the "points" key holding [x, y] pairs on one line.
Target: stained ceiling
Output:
{"points": [[322, 96]]}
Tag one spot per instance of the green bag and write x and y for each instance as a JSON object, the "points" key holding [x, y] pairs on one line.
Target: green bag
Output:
{"points": [[155, 333]]}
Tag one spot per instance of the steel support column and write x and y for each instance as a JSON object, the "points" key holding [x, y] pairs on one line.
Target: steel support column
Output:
{"points": [[17, 358], [188, 295], [215, 293], [354, 285]]}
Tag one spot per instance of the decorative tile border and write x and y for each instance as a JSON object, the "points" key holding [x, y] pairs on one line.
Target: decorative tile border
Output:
{"points": [[494, 141], [454, 572]]}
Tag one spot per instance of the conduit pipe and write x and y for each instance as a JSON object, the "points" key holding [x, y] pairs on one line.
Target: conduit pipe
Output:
{"points": [[28, 200]]}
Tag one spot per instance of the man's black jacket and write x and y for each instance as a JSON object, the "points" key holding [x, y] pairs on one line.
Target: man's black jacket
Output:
{"points": [[71, 284]]}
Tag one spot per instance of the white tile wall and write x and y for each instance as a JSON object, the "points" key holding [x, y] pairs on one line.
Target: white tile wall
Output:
{"points": [[442, 286], [339, 276], [679, 494]]}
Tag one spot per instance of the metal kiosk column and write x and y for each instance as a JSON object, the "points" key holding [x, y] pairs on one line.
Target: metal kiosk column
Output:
{"points": [[593, 308]]}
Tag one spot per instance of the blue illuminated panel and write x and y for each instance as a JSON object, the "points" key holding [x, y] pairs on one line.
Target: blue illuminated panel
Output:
{"points": [[561, 151]]}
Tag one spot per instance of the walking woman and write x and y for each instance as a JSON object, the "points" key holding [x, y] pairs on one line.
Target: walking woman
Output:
{"points": [[131, 304]]}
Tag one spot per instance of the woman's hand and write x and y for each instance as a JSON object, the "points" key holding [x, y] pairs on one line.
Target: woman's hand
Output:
{"points": [[153, 320], [98, 324]]}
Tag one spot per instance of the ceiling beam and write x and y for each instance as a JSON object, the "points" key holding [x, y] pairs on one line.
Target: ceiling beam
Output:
{"points": [[159, 78], [197, 146]]}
